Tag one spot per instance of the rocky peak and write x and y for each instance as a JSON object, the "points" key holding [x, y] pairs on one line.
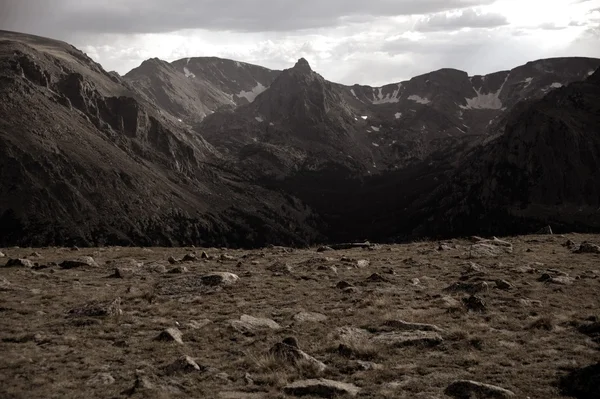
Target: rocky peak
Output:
{"points": [[302, 66]]}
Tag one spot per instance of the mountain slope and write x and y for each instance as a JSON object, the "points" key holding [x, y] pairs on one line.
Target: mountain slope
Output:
{"points": [[542, 170], [85, 159]]}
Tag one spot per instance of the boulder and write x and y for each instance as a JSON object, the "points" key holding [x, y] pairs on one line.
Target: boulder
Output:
{"points": [[171, 334], [79, 262], [503, 284], [409, 338], [321, 387], [101, 379], [545, 230], [304, 317], [220, 278], [402, 325], [191, 257], [466, 389], [288, 351], [183, 365], [588, 248], [249, 324]]}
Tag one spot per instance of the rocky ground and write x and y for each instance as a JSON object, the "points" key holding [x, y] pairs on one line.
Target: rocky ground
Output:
{"points": [[472, 318]]}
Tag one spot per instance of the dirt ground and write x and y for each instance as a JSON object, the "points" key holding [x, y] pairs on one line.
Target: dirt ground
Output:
{"points": [[85, 332]]}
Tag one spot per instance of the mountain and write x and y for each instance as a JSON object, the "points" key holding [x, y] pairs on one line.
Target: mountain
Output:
{"points": [[542, 170], [192, 88], [86, 159]]}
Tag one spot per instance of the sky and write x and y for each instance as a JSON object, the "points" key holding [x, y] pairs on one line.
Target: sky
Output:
{"points": [[347, 41]]}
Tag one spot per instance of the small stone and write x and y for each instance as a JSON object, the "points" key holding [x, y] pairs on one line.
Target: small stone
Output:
{"points": [[415, 281], [304, 317], [184, 364], [74, 248], [545, 230], [121, 272], [179, 270], [343, 285], [366, 366], [280, 268], [172, 260], [101, 379], [377, 278], [444, 247], [248, 324], [407, 326], [35, 255], [226, 257], [189, 258], [465, 389], [198, 324], [588, 248], [19, 263], [80, 262], [204, 255], [324, 248], [288, 351], [409, 338], [2, 254], [321, 387], [474, 303], [362, 263], [171, 334]]}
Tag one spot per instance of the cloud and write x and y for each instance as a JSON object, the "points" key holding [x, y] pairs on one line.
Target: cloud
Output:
{"points": [[469, 18], [159, 16]]}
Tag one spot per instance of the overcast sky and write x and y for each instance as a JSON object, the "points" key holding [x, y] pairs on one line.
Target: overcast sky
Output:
{"points": [[347, 41]]}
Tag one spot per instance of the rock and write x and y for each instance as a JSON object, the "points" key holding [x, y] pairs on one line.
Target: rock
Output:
{"points": [[324, 249], [179, 270], [204, 255], [503, 284], [545, 230], [362, 263], [184, 364], [101, 379], [470, 288], [191, 257], [226, 257], [351, 245], [304, 317], [142, 383], [377, 278], [171, 334], [121, 272], [466, 389], [172, 260], [240, 395], [5, 284], [2, 254], [474, 303], [248, 324], [588, 248], [80, 262], [220, 278], [560, 280], [35, 255], [409, 338], [198, 324], [583, 383], [444, 247], [490, 248], [321, 387], [406, 326], [472, 268], [415, 281], [280, 268], [366, 366], [158, 268], [19, 263], [569, 244], [289, 352], [448, 303], [343, 285]]}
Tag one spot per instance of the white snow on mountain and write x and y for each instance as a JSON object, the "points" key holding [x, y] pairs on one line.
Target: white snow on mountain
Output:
{"points": [[259, 119], [188, 74], [375, 128], [388, 98], [590, 73], [485, 101], [251, 95], [398, 115], [528, 81], [375, 144], [419, 99], [556, 85], [364, 117]]}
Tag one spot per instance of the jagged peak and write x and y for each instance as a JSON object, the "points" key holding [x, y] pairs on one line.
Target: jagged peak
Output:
{"points": [[302, 66]]}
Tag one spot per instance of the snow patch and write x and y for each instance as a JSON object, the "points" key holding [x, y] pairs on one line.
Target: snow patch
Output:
{"points": [[556, 85], [255, 139], [237, 64], [354, 94], [398, 115], [252, 94], [364, 117], [375, 128], [259, 119], [375, 144], [388, 98], [590, 73], [188, 61], [418, 99], [179, 120], [485, 101], [528, 81], [188, 74], [271, 124]]}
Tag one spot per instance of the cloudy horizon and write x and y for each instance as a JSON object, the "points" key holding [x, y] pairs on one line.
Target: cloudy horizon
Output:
{"points": [[346, 41]]}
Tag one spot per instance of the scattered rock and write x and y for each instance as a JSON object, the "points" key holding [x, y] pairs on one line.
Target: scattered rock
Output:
{"points": [[226, 257], [280, 268], [503, 284], [366, 366], [191, 257], [2, 254], [560, 280], [343, 285], [588, 248], [321, 387], [158, 268], [121, 272], [101, 379], [474, 303], [407, 326], [351, 245], [324, 249], [80, 262], [289, 352], [415, 281], [178, 270], [19, 263], [545, 230], [304, 317], [198, 324], [35, 255], [466, 389], [142, 383], [204, 255], [5, 284], [362, 263], [569, 244], [444, 247], [220, 278], [582, 383], [184, 364], [469, 288], [171, 334], [490, 248], [249, 324], [172, 260]]}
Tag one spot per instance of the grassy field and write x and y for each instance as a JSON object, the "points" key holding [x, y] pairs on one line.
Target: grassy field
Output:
{"points": [[86, 332]]}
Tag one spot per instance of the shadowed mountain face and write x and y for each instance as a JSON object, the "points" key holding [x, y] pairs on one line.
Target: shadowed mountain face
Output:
{"points": [[217, 152], [87, 159]]}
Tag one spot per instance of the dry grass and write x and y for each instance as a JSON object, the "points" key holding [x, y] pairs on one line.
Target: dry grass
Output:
{"points": [[525, 340]]}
